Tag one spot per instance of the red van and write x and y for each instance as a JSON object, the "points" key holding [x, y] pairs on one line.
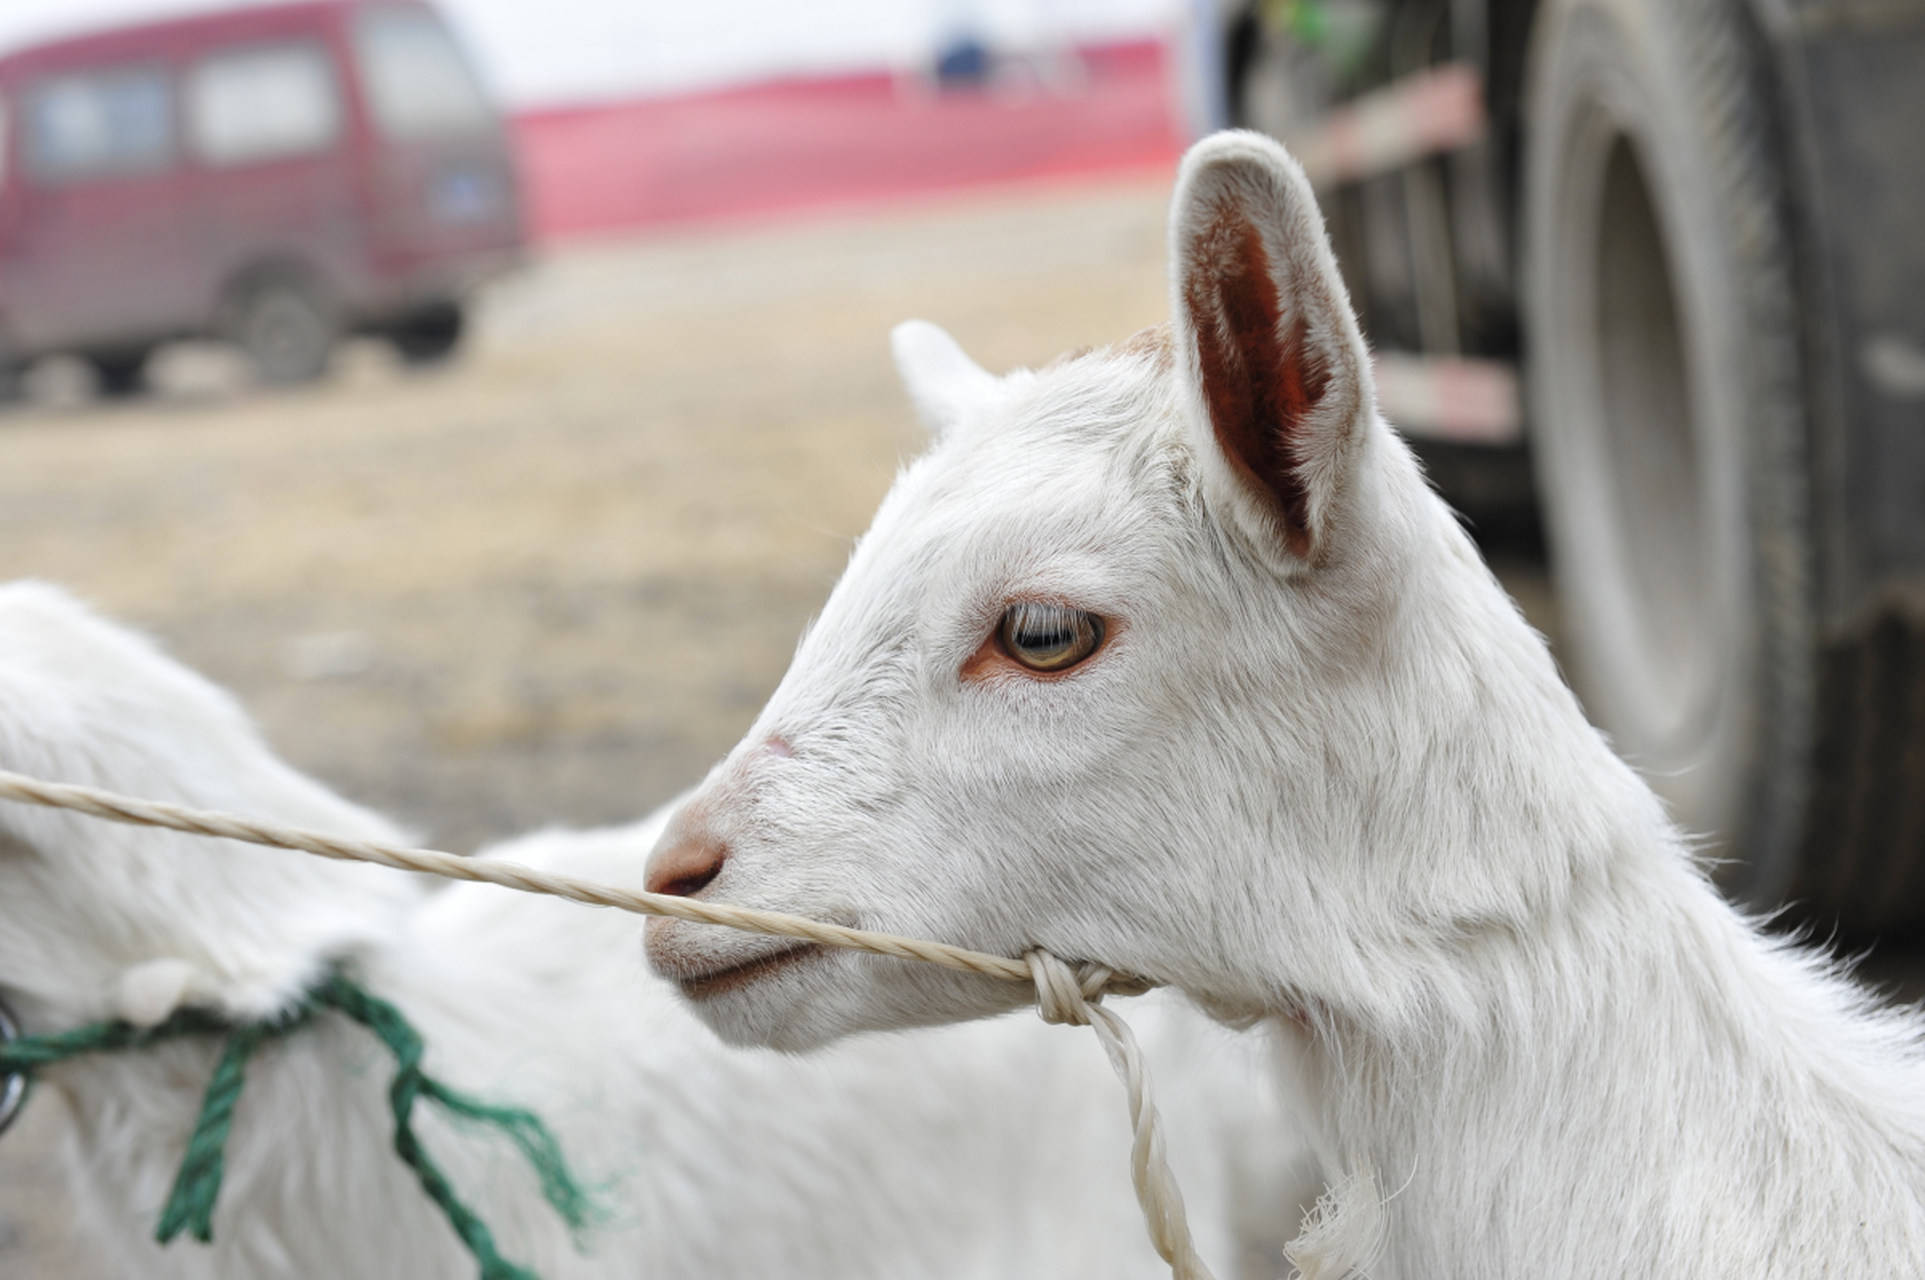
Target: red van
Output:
{"points": [[276, 176]]}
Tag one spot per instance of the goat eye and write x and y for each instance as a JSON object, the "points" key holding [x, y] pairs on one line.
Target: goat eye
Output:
{"points": [[1049, 637]]}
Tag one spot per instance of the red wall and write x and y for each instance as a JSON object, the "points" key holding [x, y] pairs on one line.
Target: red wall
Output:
{"points": [[848, 140]]}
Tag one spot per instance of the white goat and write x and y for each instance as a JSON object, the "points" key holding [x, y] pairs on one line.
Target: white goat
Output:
{"points": [[993, 1152], [1166, 657]]}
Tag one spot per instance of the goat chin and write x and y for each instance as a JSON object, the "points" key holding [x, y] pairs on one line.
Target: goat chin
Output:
{"points": [[995, 1150], [1313, 767]]}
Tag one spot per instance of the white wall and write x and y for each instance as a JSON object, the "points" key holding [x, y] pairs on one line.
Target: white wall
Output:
{"points": [[547, 51]]}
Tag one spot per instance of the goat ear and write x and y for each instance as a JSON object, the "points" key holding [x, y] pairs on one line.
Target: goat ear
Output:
{"points": [[946, 386], [1267, 336]]}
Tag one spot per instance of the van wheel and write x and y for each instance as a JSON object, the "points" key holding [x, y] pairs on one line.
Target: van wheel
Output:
{"points": [[286, 328], [429, 335], [119, 374], [1667, 414]]}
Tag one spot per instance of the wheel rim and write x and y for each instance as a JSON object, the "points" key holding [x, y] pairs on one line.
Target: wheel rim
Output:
{"points": [[1656, 570], [286, 335], [1642, 467]]}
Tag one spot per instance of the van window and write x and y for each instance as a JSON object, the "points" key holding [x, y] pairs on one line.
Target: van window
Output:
{"points": [[99, 124], [263, 103], [419, 83]]}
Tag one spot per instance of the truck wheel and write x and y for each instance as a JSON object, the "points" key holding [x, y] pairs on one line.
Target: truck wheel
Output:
{"points": [[120, 374], [429, 335], [1667, 410], [286, 328]]}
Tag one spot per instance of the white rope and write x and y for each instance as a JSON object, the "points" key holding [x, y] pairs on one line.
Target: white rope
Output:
{"points": [[1063, 995], [509, 875]]}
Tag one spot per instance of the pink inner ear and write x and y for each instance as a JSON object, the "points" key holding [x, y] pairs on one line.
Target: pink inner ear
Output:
{"points": [[1259, 382]]}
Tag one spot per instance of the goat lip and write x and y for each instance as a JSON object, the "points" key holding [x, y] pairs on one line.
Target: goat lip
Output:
{"points": [[733, 977]]}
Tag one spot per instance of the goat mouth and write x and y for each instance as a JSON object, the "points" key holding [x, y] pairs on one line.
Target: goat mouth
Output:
{"points": [[734, 977]]}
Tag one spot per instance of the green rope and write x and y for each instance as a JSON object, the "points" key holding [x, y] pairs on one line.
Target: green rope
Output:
{"points": [[28, 1054], [190, 1205], [197, 1185], [411, 1083]]}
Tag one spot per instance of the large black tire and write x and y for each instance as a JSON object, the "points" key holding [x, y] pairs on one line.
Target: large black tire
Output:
{"points": [[1668, 413], [285, 324], [429, 335], [1865, 842], [119, 375]]}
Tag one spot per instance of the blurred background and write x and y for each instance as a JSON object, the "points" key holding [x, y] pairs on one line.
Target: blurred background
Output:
{"points": [[488, 393]]}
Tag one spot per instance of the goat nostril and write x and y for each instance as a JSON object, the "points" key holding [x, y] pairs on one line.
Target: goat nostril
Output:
{"points": [[689, 886], [686, 868]]}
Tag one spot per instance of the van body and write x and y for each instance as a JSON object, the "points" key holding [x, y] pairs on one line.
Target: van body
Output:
{"points": [[278, 176]]}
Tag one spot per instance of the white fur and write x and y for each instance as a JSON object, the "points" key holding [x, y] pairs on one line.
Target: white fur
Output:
{"points": [[993, 1151], [1337, 784]]}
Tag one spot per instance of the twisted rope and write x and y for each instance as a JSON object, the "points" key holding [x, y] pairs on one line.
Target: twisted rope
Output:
{"points": [[1064, 995], [509, 875], [411, 1084], [1067, 997], [197, 1183]]}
